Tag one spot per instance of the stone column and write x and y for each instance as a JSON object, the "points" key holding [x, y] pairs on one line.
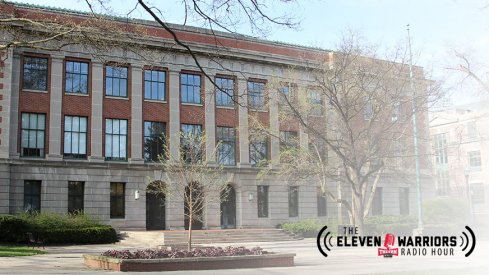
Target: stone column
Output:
{"points": [[244, 148], [210, 121], [303, 139], [274, 129], [56, 100], [5, 93], [14, 107], [174, 101], [137, 115], [97, 112]]}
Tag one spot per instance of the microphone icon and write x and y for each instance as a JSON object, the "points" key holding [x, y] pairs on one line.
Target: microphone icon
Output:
{"points": [[389, 240]]}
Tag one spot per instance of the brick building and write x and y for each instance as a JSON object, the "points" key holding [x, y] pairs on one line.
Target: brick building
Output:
{"points": [[76, 132], [460, 153]]}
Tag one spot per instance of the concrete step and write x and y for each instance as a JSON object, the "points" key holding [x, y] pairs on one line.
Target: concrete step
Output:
{"points": [[227, 236]]}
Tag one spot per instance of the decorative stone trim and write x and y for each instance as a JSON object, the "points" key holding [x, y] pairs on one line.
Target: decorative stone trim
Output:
{"points": [[199, 263]]}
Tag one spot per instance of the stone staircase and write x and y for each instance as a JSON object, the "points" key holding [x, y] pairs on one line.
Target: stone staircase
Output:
{"points": [[178, 237]]}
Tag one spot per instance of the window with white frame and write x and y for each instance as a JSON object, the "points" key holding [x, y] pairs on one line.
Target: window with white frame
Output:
{"points": [[35, 75], [116, 139], [256, 95], [224, 92], [226, 151], [155, 85], [441, 150], [190, 85], [191, 146], [76, 78], [33, 132], [116, 81], [474, 159], [75, 137]]}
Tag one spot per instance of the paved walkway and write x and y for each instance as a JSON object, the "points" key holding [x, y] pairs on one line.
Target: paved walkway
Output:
{"points": [[68, 260]]}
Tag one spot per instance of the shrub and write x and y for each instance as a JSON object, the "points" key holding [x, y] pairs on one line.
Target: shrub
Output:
{"points": [[12, 229], [98, 234], [445, 211], [177, 253], [308, 227], [56, 229], [52, 220], [399, 225]]}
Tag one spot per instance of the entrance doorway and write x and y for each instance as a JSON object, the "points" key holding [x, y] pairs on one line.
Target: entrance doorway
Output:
{"points": [[228, 208], [155, 210], [194, 202]]}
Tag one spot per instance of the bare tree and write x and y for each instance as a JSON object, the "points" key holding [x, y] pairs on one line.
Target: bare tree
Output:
{"points": [[471, 71], [192, 179], [357, 114]]}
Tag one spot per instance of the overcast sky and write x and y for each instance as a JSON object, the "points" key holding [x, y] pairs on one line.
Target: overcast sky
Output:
{"points": [[437, 26]]}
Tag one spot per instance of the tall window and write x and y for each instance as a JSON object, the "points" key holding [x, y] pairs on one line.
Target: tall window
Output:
{"points": [[316, 103], [33, 135], [262, 200], [288, 144], [191, 143], [471, 130], [441, 151], [154, 85], [377, 203], [226, 151], [117, 200], [116, 81], [190, 88], [76, 79], [35, 75], [116, 139], [321, 203], [396, 111], [225, 92], [404, 200], [76, 191], [284, 95], [256, 95], [293, 201], [32, 195], [75, 138], [288, 140], [474, 159], [258, 149], [368, 109], [154, 140]]}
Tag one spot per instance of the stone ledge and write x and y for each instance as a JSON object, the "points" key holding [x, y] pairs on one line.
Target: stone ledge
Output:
{"points": [[197, 263]]}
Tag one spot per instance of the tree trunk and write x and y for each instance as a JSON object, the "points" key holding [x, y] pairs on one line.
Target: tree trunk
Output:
{"points": [[358, 208], [189, 244]]}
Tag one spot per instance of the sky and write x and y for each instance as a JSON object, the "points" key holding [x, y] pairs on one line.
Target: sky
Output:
{"points": [[437, 27]]}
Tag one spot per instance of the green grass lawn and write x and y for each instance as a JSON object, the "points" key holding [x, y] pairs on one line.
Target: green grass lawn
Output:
{"points": [[14, 251]]}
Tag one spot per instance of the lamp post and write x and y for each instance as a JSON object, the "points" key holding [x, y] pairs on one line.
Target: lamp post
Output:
{"points": [[415, 139], [467, 192]]}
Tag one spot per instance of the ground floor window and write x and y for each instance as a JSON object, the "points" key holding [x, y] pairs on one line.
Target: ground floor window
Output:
{"points": [[377, 203], [32, 196], [262, 200], [321, 203], [404, 200], [117, 200], [76, 190], [293, 201]]}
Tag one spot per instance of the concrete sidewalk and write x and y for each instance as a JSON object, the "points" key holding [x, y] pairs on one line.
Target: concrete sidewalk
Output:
{"points": [[68, 260]]}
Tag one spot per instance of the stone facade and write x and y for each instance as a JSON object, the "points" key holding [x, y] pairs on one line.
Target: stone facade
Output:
{"points": [[255, 60]]}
